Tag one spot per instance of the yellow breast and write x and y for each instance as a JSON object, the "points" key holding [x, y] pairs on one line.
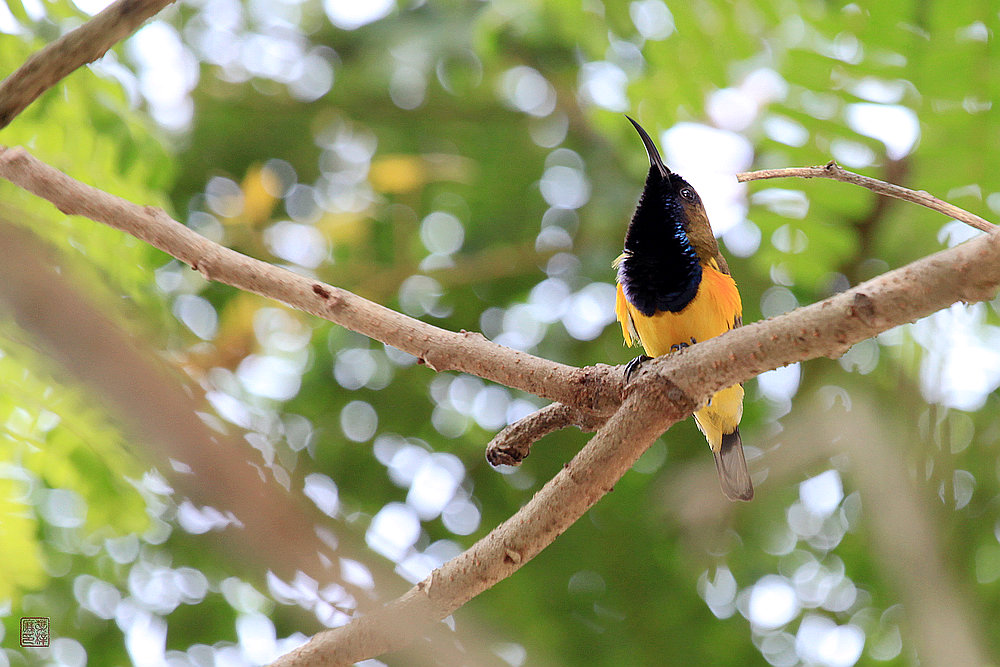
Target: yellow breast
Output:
{"points": [[714, 310]]}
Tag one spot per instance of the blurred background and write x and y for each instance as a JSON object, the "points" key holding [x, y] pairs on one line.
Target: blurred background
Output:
{"points": [[190, 475]]}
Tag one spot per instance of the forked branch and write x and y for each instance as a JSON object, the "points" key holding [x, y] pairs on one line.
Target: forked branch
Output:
{"points": [[513, 444], [664, 391]]}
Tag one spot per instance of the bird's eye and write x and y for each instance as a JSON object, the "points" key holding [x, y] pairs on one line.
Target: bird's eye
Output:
{"points": [[688, 194]]}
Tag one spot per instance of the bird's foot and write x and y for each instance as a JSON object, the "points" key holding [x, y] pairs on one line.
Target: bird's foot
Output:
{"points": [[678, 346], [633, 366]]}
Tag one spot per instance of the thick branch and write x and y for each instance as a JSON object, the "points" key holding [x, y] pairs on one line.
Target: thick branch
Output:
{"points": [[969, 272], [441, 350], [904, 536], [666, 390], [76, 48], [278, 528], [834, 171]]}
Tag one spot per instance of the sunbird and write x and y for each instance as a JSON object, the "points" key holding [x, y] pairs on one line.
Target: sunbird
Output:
{"points": [[674, 289]]}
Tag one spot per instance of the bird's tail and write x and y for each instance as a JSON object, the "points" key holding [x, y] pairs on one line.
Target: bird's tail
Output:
{"points": [[732, 467]]}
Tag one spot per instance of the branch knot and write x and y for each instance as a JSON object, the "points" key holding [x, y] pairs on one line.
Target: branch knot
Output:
{"points": [[863, 308]]}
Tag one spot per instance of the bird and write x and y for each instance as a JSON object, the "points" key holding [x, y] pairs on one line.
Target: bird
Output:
{"points": [[674, 289]]}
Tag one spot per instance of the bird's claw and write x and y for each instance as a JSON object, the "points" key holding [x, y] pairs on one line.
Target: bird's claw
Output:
{"points": [[679, 346], [633, 366]]}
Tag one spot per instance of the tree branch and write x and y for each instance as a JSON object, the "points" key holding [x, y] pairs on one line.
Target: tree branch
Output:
{"points": [[76, 48], [904, 537], [278, 531], [664, 391], [589, 388], [834, 171], [513, 444]]}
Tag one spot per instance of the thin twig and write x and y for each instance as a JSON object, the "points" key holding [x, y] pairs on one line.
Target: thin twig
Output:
{"points": [[75, 49], [513, 444], [834, 171]]}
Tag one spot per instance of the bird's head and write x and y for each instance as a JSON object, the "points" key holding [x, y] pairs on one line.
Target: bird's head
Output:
{"points": [[669, 206]]}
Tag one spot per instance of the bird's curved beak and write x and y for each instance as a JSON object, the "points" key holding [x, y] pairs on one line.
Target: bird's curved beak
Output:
{"points": [[654, 155]]}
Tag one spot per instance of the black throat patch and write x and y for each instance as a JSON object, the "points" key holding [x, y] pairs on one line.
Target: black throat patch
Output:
{"points": [[660, 270]]}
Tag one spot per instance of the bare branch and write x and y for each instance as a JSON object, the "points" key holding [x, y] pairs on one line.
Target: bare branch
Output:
{"points": [[76, 48], [834, 171], [664, 391], [589, 388], [969, 272], [513, 444]]}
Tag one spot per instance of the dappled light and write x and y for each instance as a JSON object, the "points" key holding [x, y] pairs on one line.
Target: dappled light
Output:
{"points": [[469, 165]]}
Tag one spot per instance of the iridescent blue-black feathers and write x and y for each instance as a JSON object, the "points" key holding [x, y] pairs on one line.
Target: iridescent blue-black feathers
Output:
{"points": [[660, 270]]}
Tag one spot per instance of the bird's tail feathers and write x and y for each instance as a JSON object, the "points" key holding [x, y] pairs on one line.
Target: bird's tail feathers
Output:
{"points": [[732, 467]]}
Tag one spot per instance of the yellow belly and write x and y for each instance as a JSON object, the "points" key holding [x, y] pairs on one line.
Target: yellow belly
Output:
{"points": [[715, 309]]}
